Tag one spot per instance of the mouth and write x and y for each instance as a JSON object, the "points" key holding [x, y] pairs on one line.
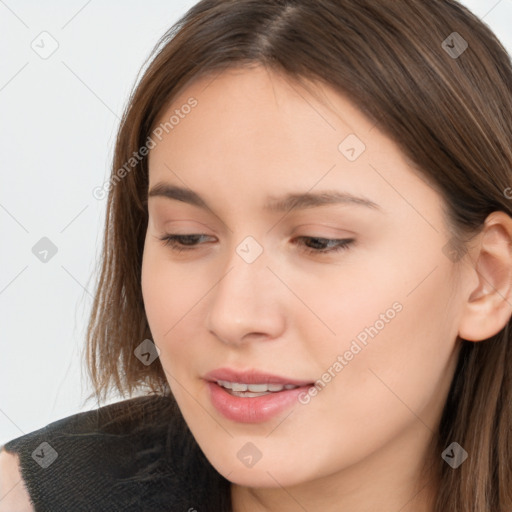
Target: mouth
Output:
{"points": [[252, 396], [253, 390]]}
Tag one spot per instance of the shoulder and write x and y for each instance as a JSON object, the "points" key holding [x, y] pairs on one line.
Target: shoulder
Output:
{"points": [[120, 419], [110, 458], [14, 496]]}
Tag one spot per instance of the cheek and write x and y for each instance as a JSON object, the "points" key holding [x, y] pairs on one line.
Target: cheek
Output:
{"points": [[158, 303], [169, 292], [397, 358], [395, 327], [358, 300], [173, 295], [169, 296]]}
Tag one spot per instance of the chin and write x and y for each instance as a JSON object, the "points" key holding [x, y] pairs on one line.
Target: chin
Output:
{"points": [[271, 473]]}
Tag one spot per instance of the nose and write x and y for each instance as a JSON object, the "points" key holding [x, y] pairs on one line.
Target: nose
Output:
{"points": [[247, 303]]}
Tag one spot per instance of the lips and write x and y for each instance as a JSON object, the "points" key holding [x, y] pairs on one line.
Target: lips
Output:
{"points": [[252, 396], [252, 377]]}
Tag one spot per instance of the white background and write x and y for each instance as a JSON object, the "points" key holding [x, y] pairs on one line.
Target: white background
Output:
{"points": [[59, 118]]}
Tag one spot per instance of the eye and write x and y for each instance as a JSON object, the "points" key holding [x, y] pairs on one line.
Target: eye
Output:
{"points": [[318, 245], [181, 242], [309, 244]]}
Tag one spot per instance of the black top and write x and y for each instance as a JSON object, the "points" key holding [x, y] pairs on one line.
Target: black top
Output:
{"points": [[134, 455]]}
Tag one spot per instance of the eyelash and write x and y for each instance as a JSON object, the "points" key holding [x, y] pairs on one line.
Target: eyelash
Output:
{"points": [[171, 240]]}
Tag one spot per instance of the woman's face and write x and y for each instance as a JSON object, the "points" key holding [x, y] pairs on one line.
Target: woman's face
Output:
{"points": [[259, 291]]}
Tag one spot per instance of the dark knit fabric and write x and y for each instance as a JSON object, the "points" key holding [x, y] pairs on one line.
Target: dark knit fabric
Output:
{"points": [[134, 455]]}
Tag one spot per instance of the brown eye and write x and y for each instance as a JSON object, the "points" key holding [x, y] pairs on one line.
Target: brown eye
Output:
{"points": [[181, 242], [317, 245]]}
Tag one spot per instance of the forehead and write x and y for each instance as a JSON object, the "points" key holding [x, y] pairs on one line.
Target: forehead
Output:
{"points": [[254, 132], [267, 94], [246, 114]]}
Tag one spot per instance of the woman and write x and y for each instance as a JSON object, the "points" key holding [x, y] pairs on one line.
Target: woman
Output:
{"points": [[307, 265]]}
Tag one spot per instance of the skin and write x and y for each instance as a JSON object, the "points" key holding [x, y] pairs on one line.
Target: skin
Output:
{"points": [[358, 445]]}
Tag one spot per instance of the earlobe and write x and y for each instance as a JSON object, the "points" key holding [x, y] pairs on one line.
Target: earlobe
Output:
{"points": [[489, 304]]}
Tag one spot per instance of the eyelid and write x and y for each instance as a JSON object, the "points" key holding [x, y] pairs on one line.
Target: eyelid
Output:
{"points": [[313, 228], [182, 227]]}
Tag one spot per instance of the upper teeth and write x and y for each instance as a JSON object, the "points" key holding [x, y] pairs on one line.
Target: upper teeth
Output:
{"points": [[255, 388]]}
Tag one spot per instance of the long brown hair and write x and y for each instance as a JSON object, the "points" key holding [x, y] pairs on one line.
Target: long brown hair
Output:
{"points": [[448, 107]]}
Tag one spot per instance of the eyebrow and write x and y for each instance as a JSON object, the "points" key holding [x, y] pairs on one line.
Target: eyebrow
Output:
{"points": [[274, 204]]}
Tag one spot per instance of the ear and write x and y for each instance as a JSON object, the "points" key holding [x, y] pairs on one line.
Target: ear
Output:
{"points": [[489, 304]]}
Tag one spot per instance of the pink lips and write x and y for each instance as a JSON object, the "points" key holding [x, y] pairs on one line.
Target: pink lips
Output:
{"points": [[251, 377], [252, 409]]}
